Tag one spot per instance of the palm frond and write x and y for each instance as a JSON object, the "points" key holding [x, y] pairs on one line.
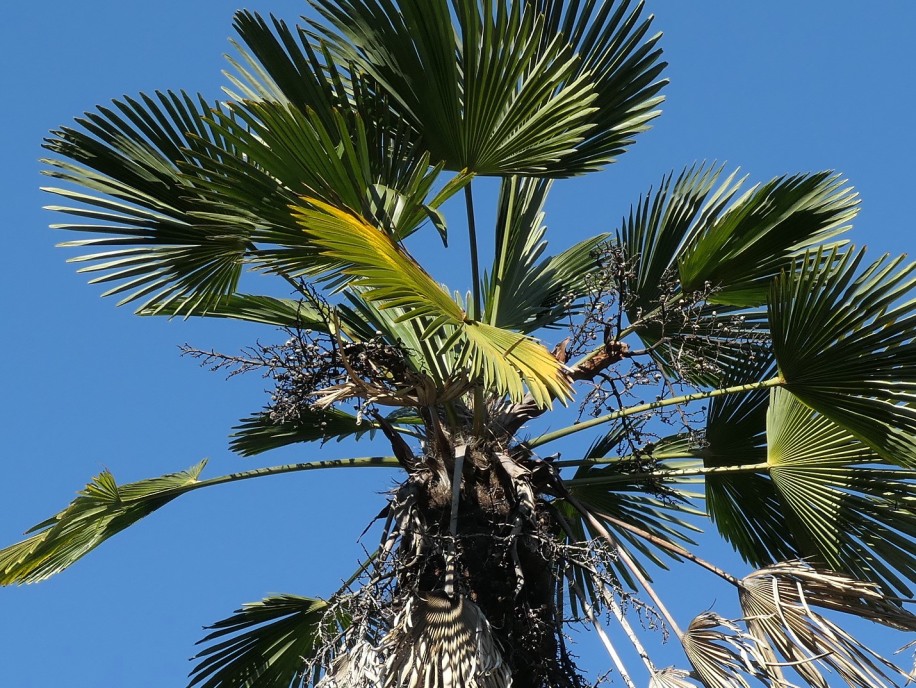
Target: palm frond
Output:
{"points": [[331, 131], [681, 327], [388, 275], [263, 645], [146, 195], [621, 57], [721, 657], [100, 511], [523, 292], [741, 249], [844, 344], [503, 92], [745, 507], [260, 433], [846, 505], [778, 604], [267, 310], [440, 641]]}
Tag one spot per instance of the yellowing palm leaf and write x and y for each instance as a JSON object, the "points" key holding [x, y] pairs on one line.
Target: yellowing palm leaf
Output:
{"points": [[387, 275]]}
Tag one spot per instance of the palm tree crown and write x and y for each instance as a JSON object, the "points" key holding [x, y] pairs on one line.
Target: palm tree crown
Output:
{"points": [[340, 139]]}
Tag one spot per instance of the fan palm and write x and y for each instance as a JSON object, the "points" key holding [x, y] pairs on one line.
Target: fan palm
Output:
{"points": [[343, 137]]}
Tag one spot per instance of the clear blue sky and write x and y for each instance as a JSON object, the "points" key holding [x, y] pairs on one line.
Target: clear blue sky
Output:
{"points": [[773, 87]]}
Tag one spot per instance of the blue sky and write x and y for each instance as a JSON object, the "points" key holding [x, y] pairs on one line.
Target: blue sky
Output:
{"points": [[772, 88]]}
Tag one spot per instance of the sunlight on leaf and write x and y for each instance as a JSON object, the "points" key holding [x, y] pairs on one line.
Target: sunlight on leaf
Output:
{"points": [[777, 602], [843, 338], [101, 510]]}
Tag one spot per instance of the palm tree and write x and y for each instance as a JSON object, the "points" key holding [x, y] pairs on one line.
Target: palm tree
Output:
{"points": [[342, 138]]}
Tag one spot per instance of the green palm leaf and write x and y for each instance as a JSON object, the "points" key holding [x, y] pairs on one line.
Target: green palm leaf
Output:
{"points": [[386, 274], [681, 327], [745, 506], [331, 130], [742, 248], [518, 98], [337, 164], [267, 310], [263, 645], [522, 291], [101, 510], [260, 433], [844, 344], [618, 54], [847, 507], [146, 195]]}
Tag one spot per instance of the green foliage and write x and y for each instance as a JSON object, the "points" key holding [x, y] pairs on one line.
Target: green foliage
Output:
{"points": [[844, 342], [263, 645], [330, 151], [102, 509]]}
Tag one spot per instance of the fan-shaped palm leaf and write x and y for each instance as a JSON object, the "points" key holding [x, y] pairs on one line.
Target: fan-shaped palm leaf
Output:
{"points": [[101, 510], [523, 292], [846, 508], [266, 310], [681, 328], [745, 507], [146, 192], [287, 67], [697, 257], [844, 344], [778, 606], [261, 433], [505, 91], [264, 644], [740, 250], [721, 657], [388, 275]]}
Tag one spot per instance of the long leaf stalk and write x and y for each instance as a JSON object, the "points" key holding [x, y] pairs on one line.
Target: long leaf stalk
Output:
{"points": [[477, 313], [624, 556], [596, 623], [651, 406], [476, 305], [660, 475], [673, 548], [356, 462]]}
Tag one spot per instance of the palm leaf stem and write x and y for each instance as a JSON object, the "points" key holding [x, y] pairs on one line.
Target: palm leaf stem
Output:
{"points": [[655, 475], [590, 613], [476, 305], [475, 263], [673, 548], [651, 406], [356, 462], [627, 560]]}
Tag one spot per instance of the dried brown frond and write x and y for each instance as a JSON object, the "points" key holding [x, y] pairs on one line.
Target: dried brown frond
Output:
{"points": [[778, 605], [443, 642], [721, 657]]}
